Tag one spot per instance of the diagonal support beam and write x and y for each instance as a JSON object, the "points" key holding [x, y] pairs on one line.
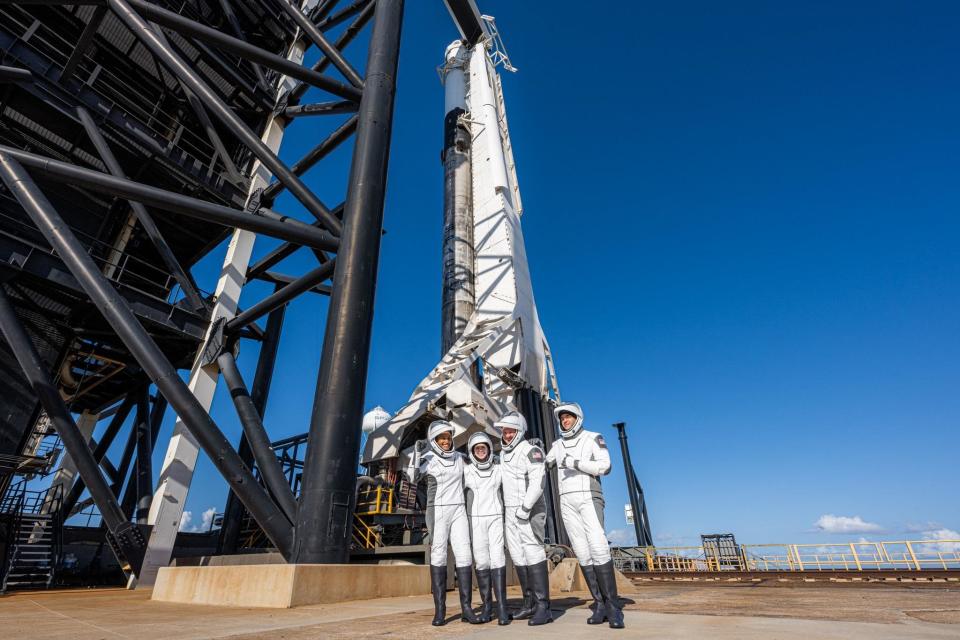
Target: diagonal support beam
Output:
{"points": [[119, 316], [315, 155], [287, 229], [345, 38], [320, 109], [301, 285], [270, 470], [100, 451], [244, 49], [238, 31], [83, 44], [143, 217], [182, 71], [127, 541], [333, 54]]}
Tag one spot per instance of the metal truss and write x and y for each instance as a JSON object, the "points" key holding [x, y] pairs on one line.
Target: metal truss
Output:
{"points": [[181, 38]]}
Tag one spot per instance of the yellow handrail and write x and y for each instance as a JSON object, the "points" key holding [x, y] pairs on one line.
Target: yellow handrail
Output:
{"points": [[906, 555]]}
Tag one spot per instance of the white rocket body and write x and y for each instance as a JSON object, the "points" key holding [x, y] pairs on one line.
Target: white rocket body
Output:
{"points": [[500, 346]]}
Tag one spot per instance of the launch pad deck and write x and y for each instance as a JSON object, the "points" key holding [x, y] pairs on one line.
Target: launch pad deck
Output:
{"points": [[876, 611]]}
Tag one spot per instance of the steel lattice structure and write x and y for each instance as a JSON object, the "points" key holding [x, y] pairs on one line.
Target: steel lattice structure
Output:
{"points": [[135, 136]]}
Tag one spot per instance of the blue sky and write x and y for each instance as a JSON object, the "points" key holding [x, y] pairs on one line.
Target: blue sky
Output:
{"points": [[742, 230]]}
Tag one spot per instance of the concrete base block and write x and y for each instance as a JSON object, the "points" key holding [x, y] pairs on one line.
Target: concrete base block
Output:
{"points": [[288, 585], [567, 577]]}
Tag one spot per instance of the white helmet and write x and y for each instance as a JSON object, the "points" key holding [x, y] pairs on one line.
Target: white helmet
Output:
{"points": [[512, 420], [480, 438], [569, 407], [436, 428]]}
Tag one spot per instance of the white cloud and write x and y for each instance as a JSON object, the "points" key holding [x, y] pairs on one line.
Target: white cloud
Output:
{"points": [[830, 523], [206, 521], [924, 527], [206, 518], [943, 534], [622, 537]]}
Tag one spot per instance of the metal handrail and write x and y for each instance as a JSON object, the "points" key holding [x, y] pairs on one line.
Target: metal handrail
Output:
{"points": [[12, 504], [380, 502], [902, 555]]}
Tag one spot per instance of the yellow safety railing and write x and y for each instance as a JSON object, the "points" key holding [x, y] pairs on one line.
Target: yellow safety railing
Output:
{"points": [[375, 500], [903, 555], [365, 536]]}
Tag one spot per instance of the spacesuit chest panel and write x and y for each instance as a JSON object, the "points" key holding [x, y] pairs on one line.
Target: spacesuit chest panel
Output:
{"points": [[483, 486], [578, 448], [444, 477]]}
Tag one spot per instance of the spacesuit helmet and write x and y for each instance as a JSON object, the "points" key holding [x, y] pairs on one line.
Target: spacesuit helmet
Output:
{"points": [[435, 429], [480, 438], [512, 420], [571, 408]]}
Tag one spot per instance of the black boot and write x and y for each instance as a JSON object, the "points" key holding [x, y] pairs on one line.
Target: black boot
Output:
{"points": [[483, 586], [465, 582], [499, 577], [599, 610], [540, 585], [526, 610], [607, 579], [438, 587]]}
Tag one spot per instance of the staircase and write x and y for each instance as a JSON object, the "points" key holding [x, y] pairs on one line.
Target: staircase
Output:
{"points": [[33, 558], [33, 536]]}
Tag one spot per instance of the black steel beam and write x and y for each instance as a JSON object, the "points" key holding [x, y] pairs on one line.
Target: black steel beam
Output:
{"points": [[83, 44], [147, 353], [100, 450], [295, 94], [316, 36], [328, 494], [244, 49], [270, 471], [238, 31], [281, 297], [320, 109], [289, 229], [15, 74], [144, 459], [143, 217], [183, 72], [283, 279], [211, 132], [262, 379], [312, 157], [641, 522], [341, 16], [126, 539]]}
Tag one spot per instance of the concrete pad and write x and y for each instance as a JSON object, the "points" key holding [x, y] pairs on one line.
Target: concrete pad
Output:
{"points": [[289, 585]]}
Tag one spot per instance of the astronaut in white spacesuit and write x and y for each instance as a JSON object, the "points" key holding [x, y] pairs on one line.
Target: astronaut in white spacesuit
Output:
{"points": [[521, 465], [482, 479], [581, 458], [436, 463]]}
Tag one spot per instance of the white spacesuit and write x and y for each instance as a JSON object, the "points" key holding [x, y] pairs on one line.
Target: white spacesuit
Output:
{"points": [[482, 480], [441, 468], [521, 465], [581, 457]]}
